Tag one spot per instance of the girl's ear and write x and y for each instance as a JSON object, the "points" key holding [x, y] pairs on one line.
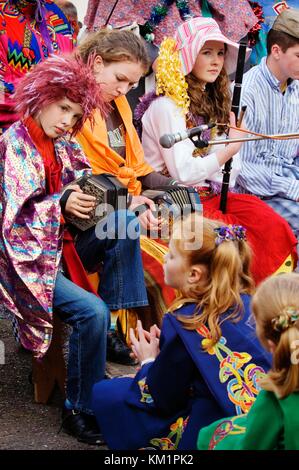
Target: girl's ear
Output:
{"points": [[98, 64], [197, 273]]}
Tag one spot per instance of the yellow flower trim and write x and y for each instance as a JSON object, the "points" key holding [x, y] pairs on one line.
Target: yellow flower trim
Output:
{"points": [[170, 80]]}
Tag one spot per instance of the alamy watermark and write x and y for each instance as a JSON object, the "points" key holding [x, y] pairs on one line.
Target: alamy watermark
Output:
{"points": [[122, 224]]}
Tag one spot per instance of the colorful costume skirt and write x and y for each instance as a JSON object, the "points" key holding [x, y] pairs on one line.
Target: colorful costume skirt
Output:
{"points": [[269, 235]]}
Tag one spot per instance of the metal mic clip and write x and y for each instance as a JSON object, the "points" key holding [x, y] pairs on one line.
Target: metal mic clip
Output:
{"points": [[196, 137]]}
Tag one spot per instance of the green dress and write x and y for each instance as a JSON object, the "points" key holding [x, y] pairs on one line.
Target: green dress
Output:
{"points": [[270, 424]]}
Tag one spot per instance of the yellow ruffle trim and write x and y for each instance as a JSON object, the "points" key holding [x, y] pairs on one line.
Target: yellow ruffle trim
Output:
{"points": [[170, 80]]}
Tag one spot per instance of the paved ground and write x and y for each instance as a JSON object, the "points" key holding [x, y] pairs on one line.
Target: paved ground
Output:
{"points": [[25, 425]]}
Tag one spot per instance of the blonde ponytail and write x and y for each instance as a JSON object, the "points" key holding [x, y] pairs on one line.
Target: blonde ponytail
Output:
{"points": [[226, 277], [276, 309]]}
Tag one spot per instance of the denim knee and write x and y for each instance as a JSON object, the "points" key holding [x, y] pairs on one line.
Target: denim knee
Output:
{"points": [[99, 315]]}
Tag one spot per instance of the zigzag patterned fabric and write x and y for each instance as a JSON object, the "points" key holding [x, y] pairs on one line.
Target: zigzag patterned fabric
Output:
{"points": [[23, 45]]}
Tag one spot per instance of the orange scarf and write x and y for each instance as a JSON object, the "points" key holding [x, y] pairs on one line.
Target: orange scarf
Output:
{"points": [[103, 159]]}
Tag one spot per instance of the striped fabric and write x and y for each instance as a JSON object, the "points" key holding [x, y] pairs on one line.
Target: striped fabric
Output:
{"points": [[270, 168], [192, 35], [270, 112], [190, 41], [289, 210]]}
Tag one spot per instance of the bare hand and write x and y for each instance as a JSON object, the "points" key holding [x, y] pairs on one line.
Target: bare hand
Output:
{"points": [[234, 134], [78, 203], [146, 219], [147, 344]]}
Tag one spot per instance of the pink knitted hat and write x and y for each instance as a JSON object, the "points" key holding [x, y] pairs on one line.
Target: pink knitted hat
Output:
{"points": [[192, 35]]}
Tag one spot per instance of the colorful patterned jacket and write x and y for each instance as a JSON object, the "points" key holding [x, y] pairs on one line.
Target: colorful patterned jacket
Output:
{"points": [[22, 45], [31, 232]]}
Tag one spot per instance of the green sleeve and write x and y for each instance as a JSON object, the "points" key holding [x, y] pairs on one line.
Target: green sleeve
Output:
{"points": [[264, 424]]}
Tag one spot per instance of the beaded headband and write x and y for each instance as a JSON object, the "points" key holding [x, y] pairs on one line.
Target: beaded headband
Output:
{"points": [[286, 319], [227, 233]]}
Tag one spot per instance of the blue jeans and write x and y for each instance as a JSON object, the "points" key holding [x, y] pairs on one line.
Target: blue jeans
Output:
{"points": [[122, 280], [89, 317]]}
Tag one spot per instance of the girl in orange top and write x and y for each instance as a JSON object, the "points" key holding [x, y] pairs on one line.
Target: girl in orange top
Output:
{"points": [[112, 146]]}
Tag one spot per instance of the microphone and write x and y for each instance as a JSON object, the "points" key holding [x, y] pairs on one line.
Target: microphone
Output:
{"points": [[168, 140]]}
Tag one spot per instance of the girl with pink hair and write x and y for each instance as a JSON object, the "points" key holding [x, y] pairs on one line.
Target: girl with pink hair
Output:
{"points": [[40, 269]]}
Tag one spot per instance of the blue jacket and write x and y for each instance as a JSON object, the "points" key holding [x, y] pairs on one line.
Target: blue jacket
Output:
{"points": [[185, 388]]}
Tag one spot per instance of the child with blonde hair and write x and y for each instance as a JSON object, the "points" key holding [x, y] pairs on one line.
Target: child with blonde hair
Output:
{"points": [[276, 310], [206, 360]]}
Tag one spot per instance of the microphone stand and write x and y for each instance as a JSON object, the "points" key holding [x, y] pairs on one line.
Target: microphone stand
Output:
{"points": [[248, 139], [235, 108], [198, 142]]}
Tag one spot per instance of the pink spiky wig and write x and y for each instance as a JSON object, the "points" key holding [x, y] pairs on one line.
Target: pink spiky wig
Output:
{"points": [[54, 79]]}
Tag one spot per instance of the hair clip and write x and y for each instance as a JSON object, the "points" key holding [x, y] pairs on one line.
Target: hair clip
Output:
{"points": [[240, 232], [287, 318], [223, 234]]}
